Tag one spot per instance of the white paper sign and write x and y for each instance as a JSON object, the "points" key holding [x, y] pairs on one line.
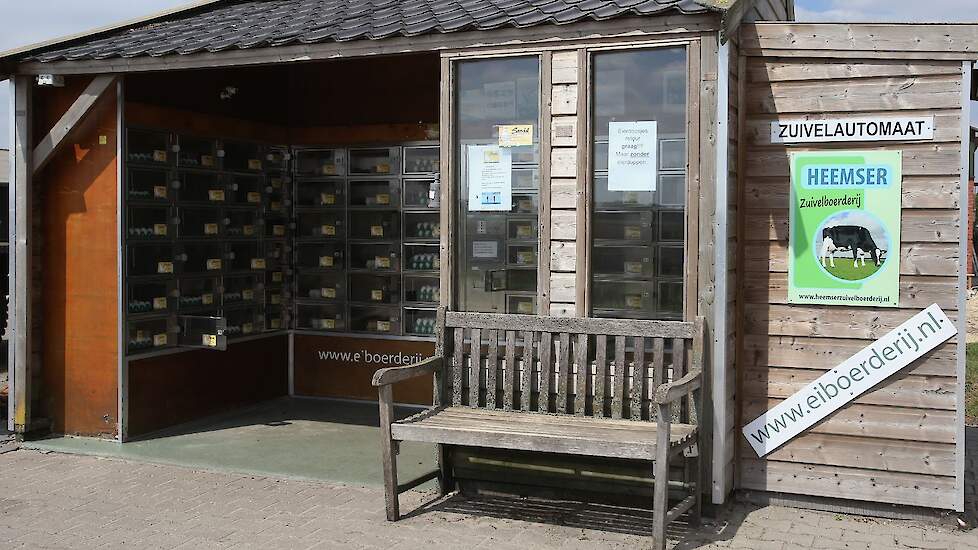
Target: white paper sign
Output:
{"points": [[632, 155], [852, 378], [485, 249], [490, 171], [853, 129]]}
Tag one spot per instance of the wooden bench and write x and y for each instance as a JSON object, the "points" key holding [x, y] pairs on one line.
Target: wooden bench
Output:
{"points": [[591, 387]]}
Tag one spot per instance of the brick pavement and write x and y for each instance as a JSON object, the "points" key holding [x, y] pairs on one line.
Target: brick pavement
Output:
{"points": [[53, 501]]}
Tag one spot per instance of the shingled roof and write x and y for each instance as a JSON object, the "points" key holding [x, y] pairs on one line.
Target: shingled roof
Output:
{"points": [[242, 24]]}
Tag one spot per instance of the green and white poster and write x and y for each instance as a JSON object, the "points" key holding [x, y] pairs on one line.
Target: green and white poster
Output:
{"points": [[844, 228]]}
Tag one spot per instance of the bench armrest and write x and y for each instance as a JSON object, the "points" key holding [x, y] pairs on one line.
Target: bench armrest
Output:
{"points": [[392, 375], [667, 393]]}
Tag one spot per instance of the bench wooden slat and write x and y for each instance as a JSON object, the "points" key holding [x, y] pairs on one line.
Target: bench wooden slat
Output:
{"points": [[658, 374], [509, 370], [620, 372], [638, 380], [546, 371], [572, 325], [492, 366], [600, 372], [563, 374], [678, 371], [475, 365], [581, 388], [459, 366], [526, 371], [537, 432]]}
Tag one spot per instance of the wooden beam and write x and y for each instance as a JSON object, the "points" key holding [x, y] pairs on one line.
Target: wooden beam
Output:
{"points": [[20, 256], [55, 138]]}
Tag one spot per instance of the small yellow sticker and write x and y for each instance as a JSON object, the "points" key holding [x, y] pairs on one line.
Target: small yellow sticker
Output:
{"points": [[633, 301], [210, 229], [327, 198], [248, 294], [159, 340], [328, 292], [206, 160], [383, 326], [525, 257], [254, 164], [383, 198], [254, 197], [524, 231], [376, 231], [207, 299], [329, 323], [275, 205], [325, 261], [215, 194], [633, 232], [164, 267], [275, 299], [248, 230], [633, 267], [382, 262], [278, 230], [276, 323], [258, 263], [277, 277], [103, 140], [525, 307], [329, 169], [276, 183], [377, 295], [209, 340], [213, 263], [159, 229], [159, 303], [328, 230], [159, 156], [159, 191]]}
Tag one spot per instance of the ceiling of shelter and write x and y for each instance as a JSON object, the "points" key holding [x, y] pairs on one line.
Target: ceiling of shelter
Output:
{"points": [[246, 24]]}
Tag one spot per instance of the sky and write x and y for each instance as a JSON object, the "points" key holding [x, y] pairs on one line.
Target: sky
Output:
{"points": [[25, 22]]}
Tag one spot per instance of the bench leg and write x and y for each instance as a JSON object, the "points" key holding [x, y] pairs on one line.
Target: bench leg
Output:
{"points": [[660, 503], [390, 453], [446, 481], [698, 482]]}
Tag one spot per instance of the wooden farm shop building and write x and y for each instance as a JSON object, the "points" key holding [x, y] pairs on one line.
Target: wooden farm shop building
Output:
{"points": [[656, 240]]}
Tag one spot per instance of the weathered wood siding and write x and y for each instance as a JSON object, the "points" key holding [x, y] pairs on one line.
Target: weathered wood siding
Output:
{"points": [[566, 230], [897, 443]]}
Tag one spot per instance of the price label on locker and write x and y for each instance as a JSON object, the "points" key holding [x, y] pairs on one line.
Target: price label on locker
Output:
{"points": [[207, 299], [248, 230], [525, 308], [213, 263], [329, 323], [275, 323], [276, 183], [258, 263], [329, 169], [276, 299], [382, 262], [159, 340], [278, 230], [383, 198], [633, 232], [275, 205], [254, 164], [328, 292], [159, 191], [208, 340], [210, 229], [159, 229], [254, 197], [159, 303], [383, 326], [328, 230], [215, 194], [206, 160], [633, 268], [159, 156], [325, 261], [248, 294], [327, 198], [164, 267], [247, 328], [524, 231], [377, 295], [376, 231], [633, 301], [277, 277]]}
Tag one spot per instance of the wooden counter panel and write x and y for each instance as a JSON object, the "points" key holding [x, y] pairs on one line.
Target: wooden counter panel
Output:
{"points": [[172, 389], [343, 366]]}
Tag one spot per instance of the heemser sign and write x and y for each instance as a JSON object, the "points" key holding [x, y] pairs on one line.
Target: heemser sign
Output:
{"points": [[850, 379]]}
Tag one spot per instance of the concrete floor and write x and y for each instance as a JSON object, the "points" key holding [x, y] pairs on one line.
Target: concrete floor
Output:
{"points": [[310, 439]]}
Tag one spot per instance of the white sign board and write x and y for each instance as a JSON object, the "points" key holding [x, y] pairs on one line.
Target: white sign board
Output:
{"points": [[490, 178], [852, 129], [850, 379], [632, 155]]}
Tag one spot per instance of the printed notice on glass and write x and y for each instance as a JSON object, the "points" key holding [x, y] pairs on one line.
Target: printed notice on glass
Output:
{"points": [[632, 158], [490, 174]]}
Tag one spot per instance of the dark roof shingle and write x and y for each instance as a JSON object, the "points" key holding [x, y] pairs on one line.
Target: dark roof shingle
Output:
{"points": [[269, 23]]}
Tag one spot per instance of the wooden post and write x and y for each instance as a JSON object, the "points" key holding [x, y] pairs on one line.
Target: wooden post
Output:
{"points": [[20, 256], [660, 503], [390, 452]]}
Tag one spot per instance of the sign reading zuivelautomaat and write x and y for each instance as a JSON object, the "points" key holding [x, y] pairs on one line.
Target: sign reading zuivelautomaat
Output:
{"points": [[853, 129]]}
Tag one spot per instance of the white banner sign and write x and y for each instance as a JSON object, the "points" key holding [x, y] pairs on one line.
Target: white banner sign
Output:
{"points": [[853, 129], [490, 171], [853, 377], [632, 155]]}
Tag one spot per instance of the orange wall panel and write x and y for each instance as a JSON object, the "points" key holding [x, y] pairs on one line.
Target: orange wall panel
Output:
{"points": [[79, 311]]}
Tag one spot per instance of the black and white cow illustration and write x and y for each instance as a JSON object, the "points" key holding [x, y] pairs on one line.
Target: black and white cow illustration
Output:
{"points": [[850, 238]]}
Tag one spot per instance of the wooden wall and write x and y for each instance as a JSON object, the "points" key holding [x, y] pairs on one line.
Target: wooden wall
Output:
{"points": [[568, 243], [77, 201], [897, 443]]}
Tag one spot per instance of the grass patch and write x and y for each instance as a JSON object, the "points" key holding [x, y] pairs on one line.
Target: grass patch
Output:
{"points": [[845, 270], [971, 386]]}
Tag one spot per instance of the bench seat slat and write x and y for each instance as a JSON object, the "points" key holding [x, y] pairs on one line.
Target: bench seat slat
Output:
{"points": [[537, 432]]}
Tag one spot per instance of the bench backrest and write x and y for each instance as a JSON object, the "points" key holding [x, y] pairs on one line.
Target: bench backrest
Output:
{"points": [[559, 365]]}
